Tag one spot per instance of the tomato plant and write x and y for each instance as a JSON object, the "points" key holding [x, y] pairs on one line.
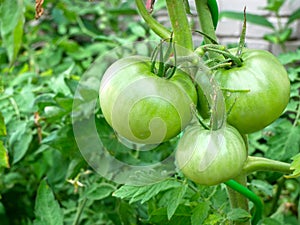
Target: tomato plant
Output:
{"points": [[50, 91], [256, 93], [143, 107], [211, 157]]}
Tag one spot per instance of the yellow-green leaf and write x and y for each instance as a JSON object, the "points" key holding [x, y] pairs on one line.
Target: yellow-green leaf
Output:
{"points": [[295, 166], [4, 162], [2, 126]]}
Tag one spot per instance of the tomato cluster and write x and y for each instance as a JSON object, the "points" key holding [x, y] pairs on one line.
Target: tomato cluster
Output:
{"points": [[145, 108]]}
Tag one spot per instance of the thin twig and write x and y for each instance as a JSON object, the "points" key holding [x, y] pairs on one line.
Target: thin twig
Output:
{"points": [[39, 10]]}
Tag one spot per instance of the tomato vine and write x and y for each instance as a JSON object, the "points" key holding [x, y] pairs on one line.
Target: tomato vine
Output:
{"points": [[218, 58]]}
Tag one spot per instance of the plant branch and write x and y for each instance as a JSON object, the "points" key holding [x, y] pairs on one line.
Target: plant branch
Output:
{"points": [[276, 197], [154, 25], [254, 164], [239, 195], [79, 211], [205, 20], [238, 200], [180, 24]]}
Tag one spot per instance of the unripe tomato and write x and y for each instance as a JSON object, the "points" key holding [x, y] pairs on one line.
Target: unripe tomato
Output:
{"points": [[210, 157], [256, 93], [143, 107]]}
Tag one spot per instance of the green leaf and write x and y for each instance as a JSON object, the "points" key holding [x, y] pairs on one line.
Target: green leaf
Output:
{"points": [[285, 141], [144, 193], [2, 126], [127, 213], [289, 57], [274, 5], [239, 215], [181, 216], [270, 221], [4, 218], [294, 16], [263, 186], [214, 219], [4, 162], [251, 18], [200, 213], [19, 141], [279, 37], [11, 29], [295, 166], [98, 191], [176, 195], [47, 209]]}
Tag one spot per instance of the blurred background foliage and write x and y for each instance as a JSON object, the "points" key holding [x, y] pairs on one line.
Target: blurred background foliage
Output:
{"points": [[41, 63]]}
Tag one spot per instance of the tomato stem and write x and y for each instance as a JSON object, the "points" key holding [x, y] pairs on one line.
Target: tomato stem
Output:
{"points": [[195, 112], [154, 25], [180, 24], [236, 60], [80, 209], [254, 164], [245, 192], [161, 63], [205, 20], [221, 65], [242, 37]]}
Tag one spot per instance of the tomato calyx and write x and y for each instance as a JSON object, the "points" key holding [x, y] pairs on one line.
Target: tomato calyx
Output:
{"points": [[226, 60], [160, 61], [229, 60]]}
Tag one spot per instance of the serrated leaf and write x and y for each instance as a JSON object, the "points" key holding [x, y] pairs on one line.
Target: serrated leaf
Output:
{"points": [[263, 186], [144, 193], [251, 18], [295, 165], [176, 197], [286, 142], [2, 126], [239, 215], [200, 213], [4, 162], [12, 22], [214, 219], [47, 209]]}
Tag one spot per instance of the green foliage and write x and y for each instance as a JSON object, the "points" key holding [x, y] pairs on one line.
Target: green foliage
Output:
{"points": [[295, 166], [278, 35], [47, 209], [11, 26], [251, 18], [43, 177], [280, 141]]}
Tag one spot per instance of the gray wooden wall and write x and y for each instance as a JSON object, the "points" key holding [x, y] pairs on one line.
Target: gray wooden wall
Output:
{"points": [[228, 30]]}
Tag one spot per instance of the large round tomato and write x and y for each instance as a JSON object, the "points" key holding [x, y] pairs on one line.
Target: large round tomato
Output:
{"points": [[256, 93], [143, 107], [210, 157]]}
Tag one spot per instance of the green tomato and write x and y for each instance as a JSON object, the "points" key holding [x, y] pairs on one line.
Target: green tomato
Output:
{"points": [[143, 107], [256, 93], [210, 157]]}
